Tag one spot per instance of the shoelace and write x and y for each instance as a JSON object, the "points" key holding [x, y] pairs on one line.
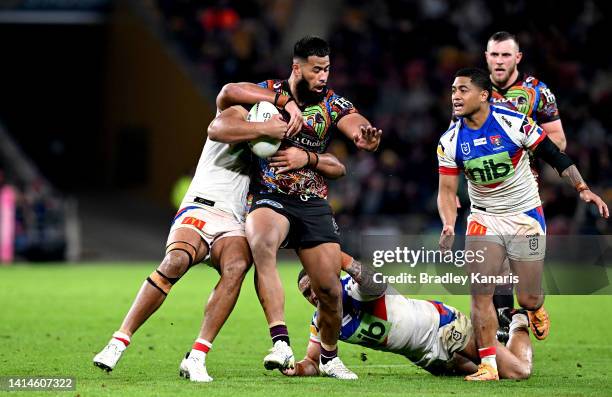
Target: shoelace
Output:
{"points": [[337, 365]]}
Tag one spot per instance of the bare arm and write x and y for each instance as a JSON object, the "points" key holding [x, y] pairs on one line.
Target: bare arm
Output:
{"points": [[554, 130], [364, 276], [230, 126], [358, 129], [248, 93], [293, 158], [309, 366], [447, 208], [573, 177], [550, 153]]}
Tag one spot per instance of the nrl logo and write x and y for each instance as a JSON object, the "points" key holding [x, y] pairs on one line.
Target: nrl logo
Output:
{"points": [[465, 148]]}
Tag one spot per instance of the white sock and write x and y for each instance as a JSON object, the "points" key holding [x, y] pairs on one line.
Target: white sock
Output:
{"points": [[121, 337], [200, 348], [519, 321], [487, 356]]}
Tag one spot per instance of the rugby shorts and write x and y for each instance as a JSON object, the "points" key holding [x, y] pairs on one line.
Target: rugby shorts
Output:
{"points": [[522, 235], [311, 220], [210, 223]]}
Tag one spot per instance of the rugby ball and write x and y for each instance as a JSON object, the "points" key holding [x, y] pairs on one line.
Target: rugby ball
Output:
{"points": [[263, 147]]}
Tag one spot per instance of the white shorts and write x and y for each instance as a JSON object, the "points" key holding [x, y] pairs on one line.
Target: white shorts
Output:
{"points": [[210, 223], [522, 235], [451, 338]]}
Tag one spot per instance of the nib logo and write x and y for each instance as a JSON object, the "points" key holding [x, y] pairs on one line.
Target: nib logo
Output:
{"points": [[489, 169]]}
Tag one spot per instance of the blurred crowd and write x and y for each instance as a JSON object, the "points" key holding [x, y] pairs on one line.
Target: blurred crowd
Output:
{"points": [[39, 232], [395, 60]]}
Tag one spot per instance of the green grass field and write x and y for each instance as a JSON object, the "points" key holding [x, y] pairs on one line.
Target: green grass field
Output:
{"points": [[54, 318]]}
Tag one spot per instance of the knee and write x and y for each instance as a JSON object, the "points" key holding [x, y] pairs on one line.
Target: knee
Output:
{"points": [[329, 292], [264, 245], [175, 264], [530, 301], [234, 271]]}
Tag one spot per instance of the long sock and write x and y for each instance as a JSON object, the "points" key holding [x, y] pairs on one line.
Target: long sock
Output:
{"points": [[503, 296], [279, 332], [121, 337], [328, 355], [200, 348], [487, 356]]}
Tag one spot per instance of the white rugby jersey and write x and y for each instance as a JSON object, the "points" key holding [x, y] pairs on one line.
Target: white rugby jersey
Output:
{"points": [[222, 177], [390, 322], [494, 161]]}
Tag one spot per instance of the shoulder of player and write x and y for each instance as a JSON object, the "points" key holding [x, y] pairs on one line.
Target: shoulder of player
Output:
{"points": [[533, 82], [507, 117], [451, 133], [272, 84]]}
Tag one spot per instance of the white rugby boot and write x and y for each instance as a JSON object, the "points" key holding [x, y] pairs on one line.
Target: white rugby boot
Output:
{"points": [[336, 369], [109, 356], [193, 367], [280, 356]]}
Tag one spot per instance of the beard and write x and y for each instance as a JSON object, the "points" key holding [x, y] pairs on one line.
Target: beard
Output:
{"points": [[308, 96]]}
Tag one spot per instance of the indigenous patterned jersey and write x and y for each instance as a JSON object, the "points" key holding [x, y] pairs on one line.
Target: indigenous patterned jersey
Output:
{"points": [[529, 96], [494, 161], [390, 322], [315, 137]]}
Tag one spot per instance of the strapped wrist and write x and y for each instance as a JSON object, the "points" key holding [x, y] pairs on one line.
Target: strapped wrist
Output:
{"points": [[582, 187]]}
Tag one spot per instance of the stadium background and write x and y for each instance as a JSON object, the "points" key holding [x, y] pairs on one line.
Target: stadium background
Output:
{"points": [[109, 103], [104, 107]]}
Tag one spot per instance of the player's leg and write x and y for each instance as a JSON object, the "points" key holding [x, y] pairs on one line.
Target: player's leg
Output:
{"points": [[185, 248], [530, 295], [484, 318], [515, 359], [322, 263], [231, 257], [266, 230]]}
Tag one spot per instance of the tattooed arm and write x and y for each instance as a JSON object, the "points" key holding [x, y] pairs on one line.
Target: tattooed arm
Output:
{"points": [[364, 276], [573, 177]]}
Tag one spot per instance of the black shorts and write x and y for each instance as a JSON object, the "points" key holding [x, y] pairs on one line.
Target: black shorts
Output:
{"points": [[311, 220]]}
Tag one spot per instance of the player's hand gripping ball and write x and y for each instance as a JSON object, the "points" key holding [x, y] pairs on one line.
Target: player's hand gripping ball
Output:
{"points": [[263, 147]]}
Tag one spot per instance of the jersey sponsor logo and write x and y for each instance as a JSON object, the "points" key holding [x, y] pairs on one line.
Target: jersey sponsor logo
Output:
{"points": [[343, 103], [480, 141], [465, 148], [489, 169], [372, 331], [195, 222], [269, 202], [550, 97], [505, 120]]}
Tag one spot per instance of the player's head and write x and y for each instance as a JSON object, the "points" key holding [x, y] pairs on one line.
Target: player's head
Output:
{"points": [[470, 91], [311, 68], [305, 289], [503, 54]]}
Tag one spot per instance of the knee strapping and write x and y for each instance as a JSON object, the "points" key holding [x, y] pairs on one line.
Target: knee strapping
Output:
{"points": [[162, 282], [184, 246]]}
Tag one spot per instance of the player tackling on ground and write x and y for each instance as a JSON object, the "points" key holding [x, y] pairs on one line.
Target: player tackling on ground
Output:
{"points": [[530, 96], [489, 144], [431, 334], [290, 208], [210, 224]]}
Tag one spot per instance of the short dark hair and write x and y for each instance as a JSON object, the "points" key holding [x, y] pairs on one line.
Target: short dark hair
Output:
{"points": [[503, 36], [311, 45], [479, 77], [301, 275]]}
